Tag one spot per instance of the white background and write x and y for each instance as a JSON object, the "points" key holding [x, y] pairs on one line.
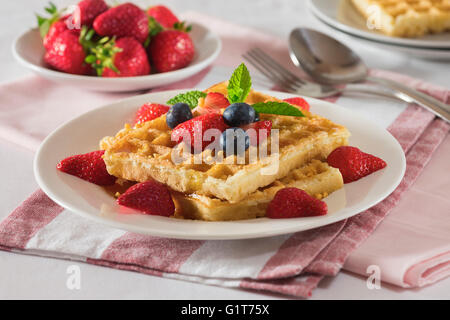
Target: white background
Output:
{"points": [[34, 277]]}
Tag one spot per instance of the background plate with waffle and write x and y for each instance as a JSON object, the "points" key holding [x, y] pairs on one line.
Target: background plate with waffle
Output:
{"points": [[94, 202], [417, 28]]}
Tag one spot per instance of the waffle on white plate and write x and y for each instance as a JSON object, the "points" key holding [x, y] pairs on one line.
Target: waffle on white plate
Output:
{"points": [[407, 18], [144, 152]]}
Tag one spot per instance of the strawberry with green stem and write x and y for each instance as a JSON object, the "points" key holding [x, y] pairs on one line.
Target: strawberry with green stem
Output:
{"points": [[124, 57]]}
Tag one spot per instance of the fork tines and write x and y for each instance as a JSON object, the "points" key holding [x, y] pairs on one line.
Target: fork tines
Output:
{"points": [[273, 70]]}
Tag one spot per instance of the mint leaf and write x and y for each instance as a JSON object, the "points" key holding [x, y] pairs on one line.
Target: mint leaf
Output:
{"points": [[190, 98], [279, 108], [239, 84]]}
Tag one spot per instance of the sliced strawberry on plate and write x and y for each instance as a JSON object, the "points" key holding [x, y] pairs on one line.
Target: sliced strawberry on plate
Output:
{"points": [[213, 103], [89, 166], [258, 131], [195, 129], [295, 203], [149, 197], [150, 111], [299, 102], [163, 15], [353, 163]]}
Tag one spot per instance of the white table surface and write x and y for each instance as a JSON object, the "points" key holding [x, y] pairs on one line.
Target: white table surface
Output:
{"points": [[32, 277]]}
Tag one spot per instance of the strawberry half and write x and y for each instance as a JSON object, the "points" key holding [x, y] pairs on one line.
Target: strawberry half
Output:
{"points": [[89, 166], [299, 102], [125, 20], [149, 197], [196, 128], [213, 103], [261, 131], [150, 111], [353, 163], [295, 203], [163, 15]]}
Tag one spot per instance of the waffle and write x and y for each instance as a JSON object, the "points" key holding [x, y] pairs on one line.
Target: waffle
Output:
{"points": [[144, 152], [316, 178], [406, 18]]}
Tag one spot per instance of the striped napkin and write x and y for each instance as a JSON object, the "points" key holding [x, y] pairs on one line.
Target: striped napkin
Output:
{"points": [[290, 264]]}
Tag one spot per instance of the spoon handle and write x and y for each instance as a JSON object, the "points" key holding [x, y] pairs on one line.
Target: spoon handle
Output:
{"points": [[408, 94]]}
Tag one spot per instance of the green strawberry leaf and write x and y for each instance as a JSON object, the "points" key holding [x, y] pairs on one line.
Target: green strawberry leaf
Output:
{"points": [[279, 108], [239, 85], [190, 98]]}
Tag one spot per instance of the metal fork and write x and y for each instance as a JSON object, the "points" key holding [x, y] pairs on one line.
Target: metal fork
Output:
{"points": [[291, 83]]}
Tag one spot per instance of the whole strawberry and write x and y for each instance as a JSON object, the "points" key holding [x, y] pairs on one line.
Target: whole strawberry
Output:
{"points": [[295, 203], [353, 163], [89, 166], [163, 15], [67, 54], [125, 57], [171, 50], [125, 20], [149, 197], [87, 10], [150, 111], [299, 102], [196, 128], [258, 131]]}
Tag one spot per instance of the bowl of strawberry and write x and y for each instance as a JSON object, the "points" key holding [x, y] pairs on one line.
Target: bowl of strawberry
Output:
{"points": [[115, 48]]}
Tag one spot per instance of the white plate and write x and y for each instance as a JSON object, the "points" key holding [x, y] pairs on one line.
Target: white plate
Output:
{"points": [[82, 135], [342, 15], [424, 53], [29, 51]]}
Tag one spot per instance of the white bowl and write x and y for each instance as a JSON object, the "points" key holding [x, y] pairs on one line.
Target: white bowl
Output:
{"points": [[93, 202], [29, 51]]}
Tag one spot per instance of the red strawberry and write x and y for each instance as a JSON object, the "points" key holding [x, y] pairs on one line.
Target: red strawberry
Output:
{"points": [[125, 57], [294, 203], [87, 11], [299, 102], [89, 166], [125, 20], [196, 127], [150, 111], [55, 30], [353, 163], [213, 103], [163, 15], [257, 135], [171, 50], [67, 54], [150, 197]]}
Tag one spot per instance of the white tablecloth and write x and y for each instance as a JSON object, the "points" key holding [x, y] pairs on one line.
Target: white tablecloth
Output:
{"points": [[33, 277]]}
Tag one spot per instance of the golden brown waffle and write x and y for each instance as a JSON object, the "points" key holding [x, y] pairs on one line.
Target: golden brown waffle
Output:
{"points": [[144, 152], [316, 178], [406, 18]]}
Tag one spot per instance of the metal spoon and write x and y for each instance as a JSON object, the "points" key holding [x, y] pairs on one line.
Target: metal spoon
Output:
{"points": [[331, 62]]}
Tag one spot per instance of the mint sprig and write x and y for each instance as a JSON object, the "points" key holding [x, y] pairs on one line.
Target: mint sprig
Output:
{"points": [[190, 98], [278, 108], [239, 84]]}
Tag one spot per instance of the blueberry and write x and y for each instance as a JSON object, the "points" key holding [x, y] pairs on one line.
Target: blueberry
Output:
{"points": [[256, 117], [234, 141], [238, 114], [177, 114]]}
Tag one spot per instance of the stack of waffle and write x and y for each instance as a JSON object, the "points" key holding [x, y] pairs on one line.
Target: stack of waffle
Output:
{"points": [[407, 18], [229, 190]]}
